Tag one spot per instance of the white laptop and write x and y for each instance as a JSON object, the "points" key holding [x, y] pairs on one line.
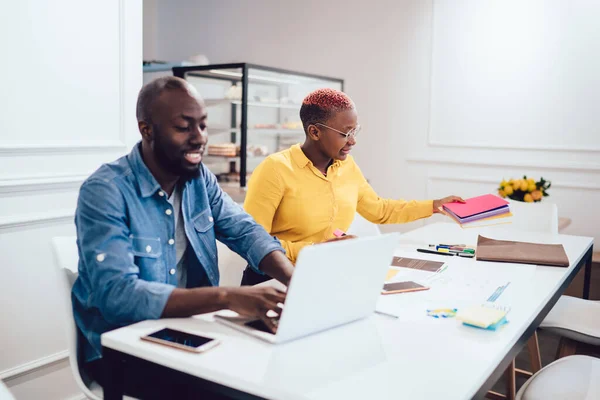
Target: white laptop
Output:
{"points": [[333, 284]]}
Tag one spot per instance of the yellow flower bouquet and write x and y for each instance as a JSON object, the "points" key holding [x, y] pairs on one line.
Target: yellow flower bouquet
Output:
{"points": [[526, 189]]}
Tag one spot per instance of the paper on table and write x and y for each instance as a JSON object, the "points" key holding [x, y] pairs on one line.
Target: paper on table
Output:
{"points": [[390, 274], [405, 274]]}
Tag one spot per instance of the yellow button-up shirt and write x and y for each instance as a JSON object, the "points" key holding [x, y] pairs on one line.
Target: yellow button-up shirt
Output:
{"points": [[295, 202]]}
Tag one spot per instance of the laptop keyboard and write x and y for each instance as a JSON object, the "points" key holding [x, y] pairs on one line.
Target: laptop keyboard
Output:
{"points": [[261, 326]]}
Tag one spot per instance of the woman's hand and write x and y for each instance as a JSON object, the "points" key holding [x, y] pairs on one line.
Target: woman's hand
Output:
{"points": [[336, 239], [450, 199]]}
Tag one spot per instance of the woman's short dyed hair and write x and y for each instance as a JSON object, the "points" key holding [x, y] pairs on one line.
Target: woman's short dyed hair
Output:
{"points": [[322, 104]]}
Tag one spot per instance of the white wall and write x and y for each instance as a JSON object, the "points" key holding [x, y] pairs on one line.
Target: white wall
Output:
{"points": [[385, 51], [71, 74], [378, 49], [514, 89], [150, 23]]}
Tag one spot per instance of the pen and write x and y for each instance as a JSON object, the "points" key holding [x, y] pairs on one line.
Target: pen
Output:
{"points": [[441, 253], [466, 255]]}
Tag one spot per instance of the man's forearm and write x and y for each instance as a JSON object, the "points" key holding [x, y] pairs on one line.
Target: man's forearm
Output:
{"points": [[188, 302], [277, 265]]}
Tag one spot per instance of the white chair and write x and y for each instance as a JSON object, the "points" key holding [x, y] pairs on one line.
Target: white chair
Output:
{"points": [[534, 217], [576, 321], [67, 258], [362, 227], [569, 378], [231, 266]]}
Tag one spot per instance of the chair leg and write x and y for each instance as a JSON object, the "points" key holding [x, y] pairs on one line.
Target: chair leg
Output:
{"points": [[533, 349], [494, 396], [566, 347], [511, 384]]}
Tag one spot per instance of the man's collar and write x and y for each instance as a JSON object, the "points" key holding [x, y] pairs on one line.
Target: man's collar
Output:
{"points": [[146, 181]]}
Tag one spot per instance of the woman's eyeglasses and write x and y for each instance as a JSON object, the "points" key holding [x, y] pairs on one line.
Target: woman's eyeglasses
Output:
{"points": [[351, 133]]}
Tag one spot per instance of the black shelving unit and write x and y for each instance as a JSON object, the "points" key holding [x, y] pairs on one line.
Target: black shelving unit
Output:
{"points": [[246, 75]]}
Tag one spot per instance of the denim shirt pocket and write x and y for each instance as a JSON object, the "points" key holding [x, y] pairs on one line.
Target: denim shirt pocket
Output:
{"points": [[147, 253], [204, 221], [203, 224]]}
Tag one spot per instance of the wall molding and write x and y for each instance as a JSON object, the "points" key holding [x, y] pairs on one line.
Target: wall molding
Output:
{"points": [[519, 164], [33, 219], [120, 144], [35, 365], [439, 143], [17, 184], [122, 88], [495, 181], [20, 149]]}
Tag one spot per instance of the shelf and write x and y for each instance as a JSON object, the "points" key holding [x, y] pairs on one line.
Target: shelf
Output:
{"points": [[215, 130], [277, 131], [272, 102], [210, 102], [159, 67], [215, 158]]}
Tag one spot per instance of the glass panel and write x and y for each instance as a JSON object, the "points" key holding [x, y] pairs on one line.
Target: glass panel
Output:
{"points": [[221, 90], [274, 100]]}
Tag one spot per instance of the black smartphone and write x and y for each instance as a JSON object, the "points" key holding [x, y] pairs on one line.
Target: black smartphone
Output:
{"points": [[182, 340], [402, 287]]}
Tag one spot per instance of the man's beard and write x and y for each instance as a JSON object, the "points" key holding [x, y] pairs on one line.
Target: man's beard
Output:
{"points": [[172, 165]]}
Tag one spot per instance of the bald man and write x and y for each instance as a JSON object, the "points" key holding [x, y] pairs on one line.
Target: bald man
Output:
{"points": [[147, 225]]}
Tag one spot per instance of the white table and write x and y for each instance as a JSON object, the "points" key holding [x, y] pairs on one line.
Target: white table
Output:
{"points": [[412, 357], [5, 393]]}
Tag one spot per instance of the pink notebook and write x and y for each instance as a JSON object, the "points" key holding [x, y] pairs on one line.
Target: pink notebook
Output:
{"points": [[476, 205]]}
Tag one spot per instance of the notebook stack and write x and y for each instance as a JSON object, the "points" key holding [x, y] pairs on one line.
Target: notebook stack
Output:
{"points": [[480, 211]]}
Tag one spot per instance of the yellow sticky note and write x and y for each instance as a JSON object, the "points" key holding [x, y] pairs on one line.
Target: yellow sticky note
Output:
{"points": [[390, 274]]}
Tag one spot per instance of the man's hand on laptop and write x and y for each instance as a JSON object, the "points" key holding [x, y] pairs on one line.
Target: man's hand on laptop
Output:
{"points": [[257, 302]]}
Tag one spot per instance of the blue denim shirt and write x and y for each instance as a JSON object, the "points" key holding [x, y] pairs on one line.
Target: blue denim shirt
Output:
{"points": [[126, 256]]}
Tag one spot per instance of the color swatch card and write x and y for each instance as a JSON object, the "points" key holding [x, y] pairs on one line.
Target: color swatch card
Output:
{"points": [[414, 263]]}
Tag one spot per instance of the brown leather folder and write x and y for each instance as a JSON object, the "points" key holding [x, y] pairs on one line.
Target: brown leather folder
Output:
{"points": [[521, 252]]}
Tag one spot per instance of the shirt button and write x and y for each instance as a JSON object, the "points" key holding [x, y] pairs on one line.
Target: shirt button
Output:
{"points": [[161, 193], [168, 211], [100, 257], [148, 249], [211, 219], [171, 242], [172, 271]]}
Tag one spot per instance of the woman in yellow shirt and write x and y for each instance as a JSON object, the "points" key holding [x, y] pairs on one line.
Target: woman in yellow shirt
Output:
{"points": [[303, 194]]}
